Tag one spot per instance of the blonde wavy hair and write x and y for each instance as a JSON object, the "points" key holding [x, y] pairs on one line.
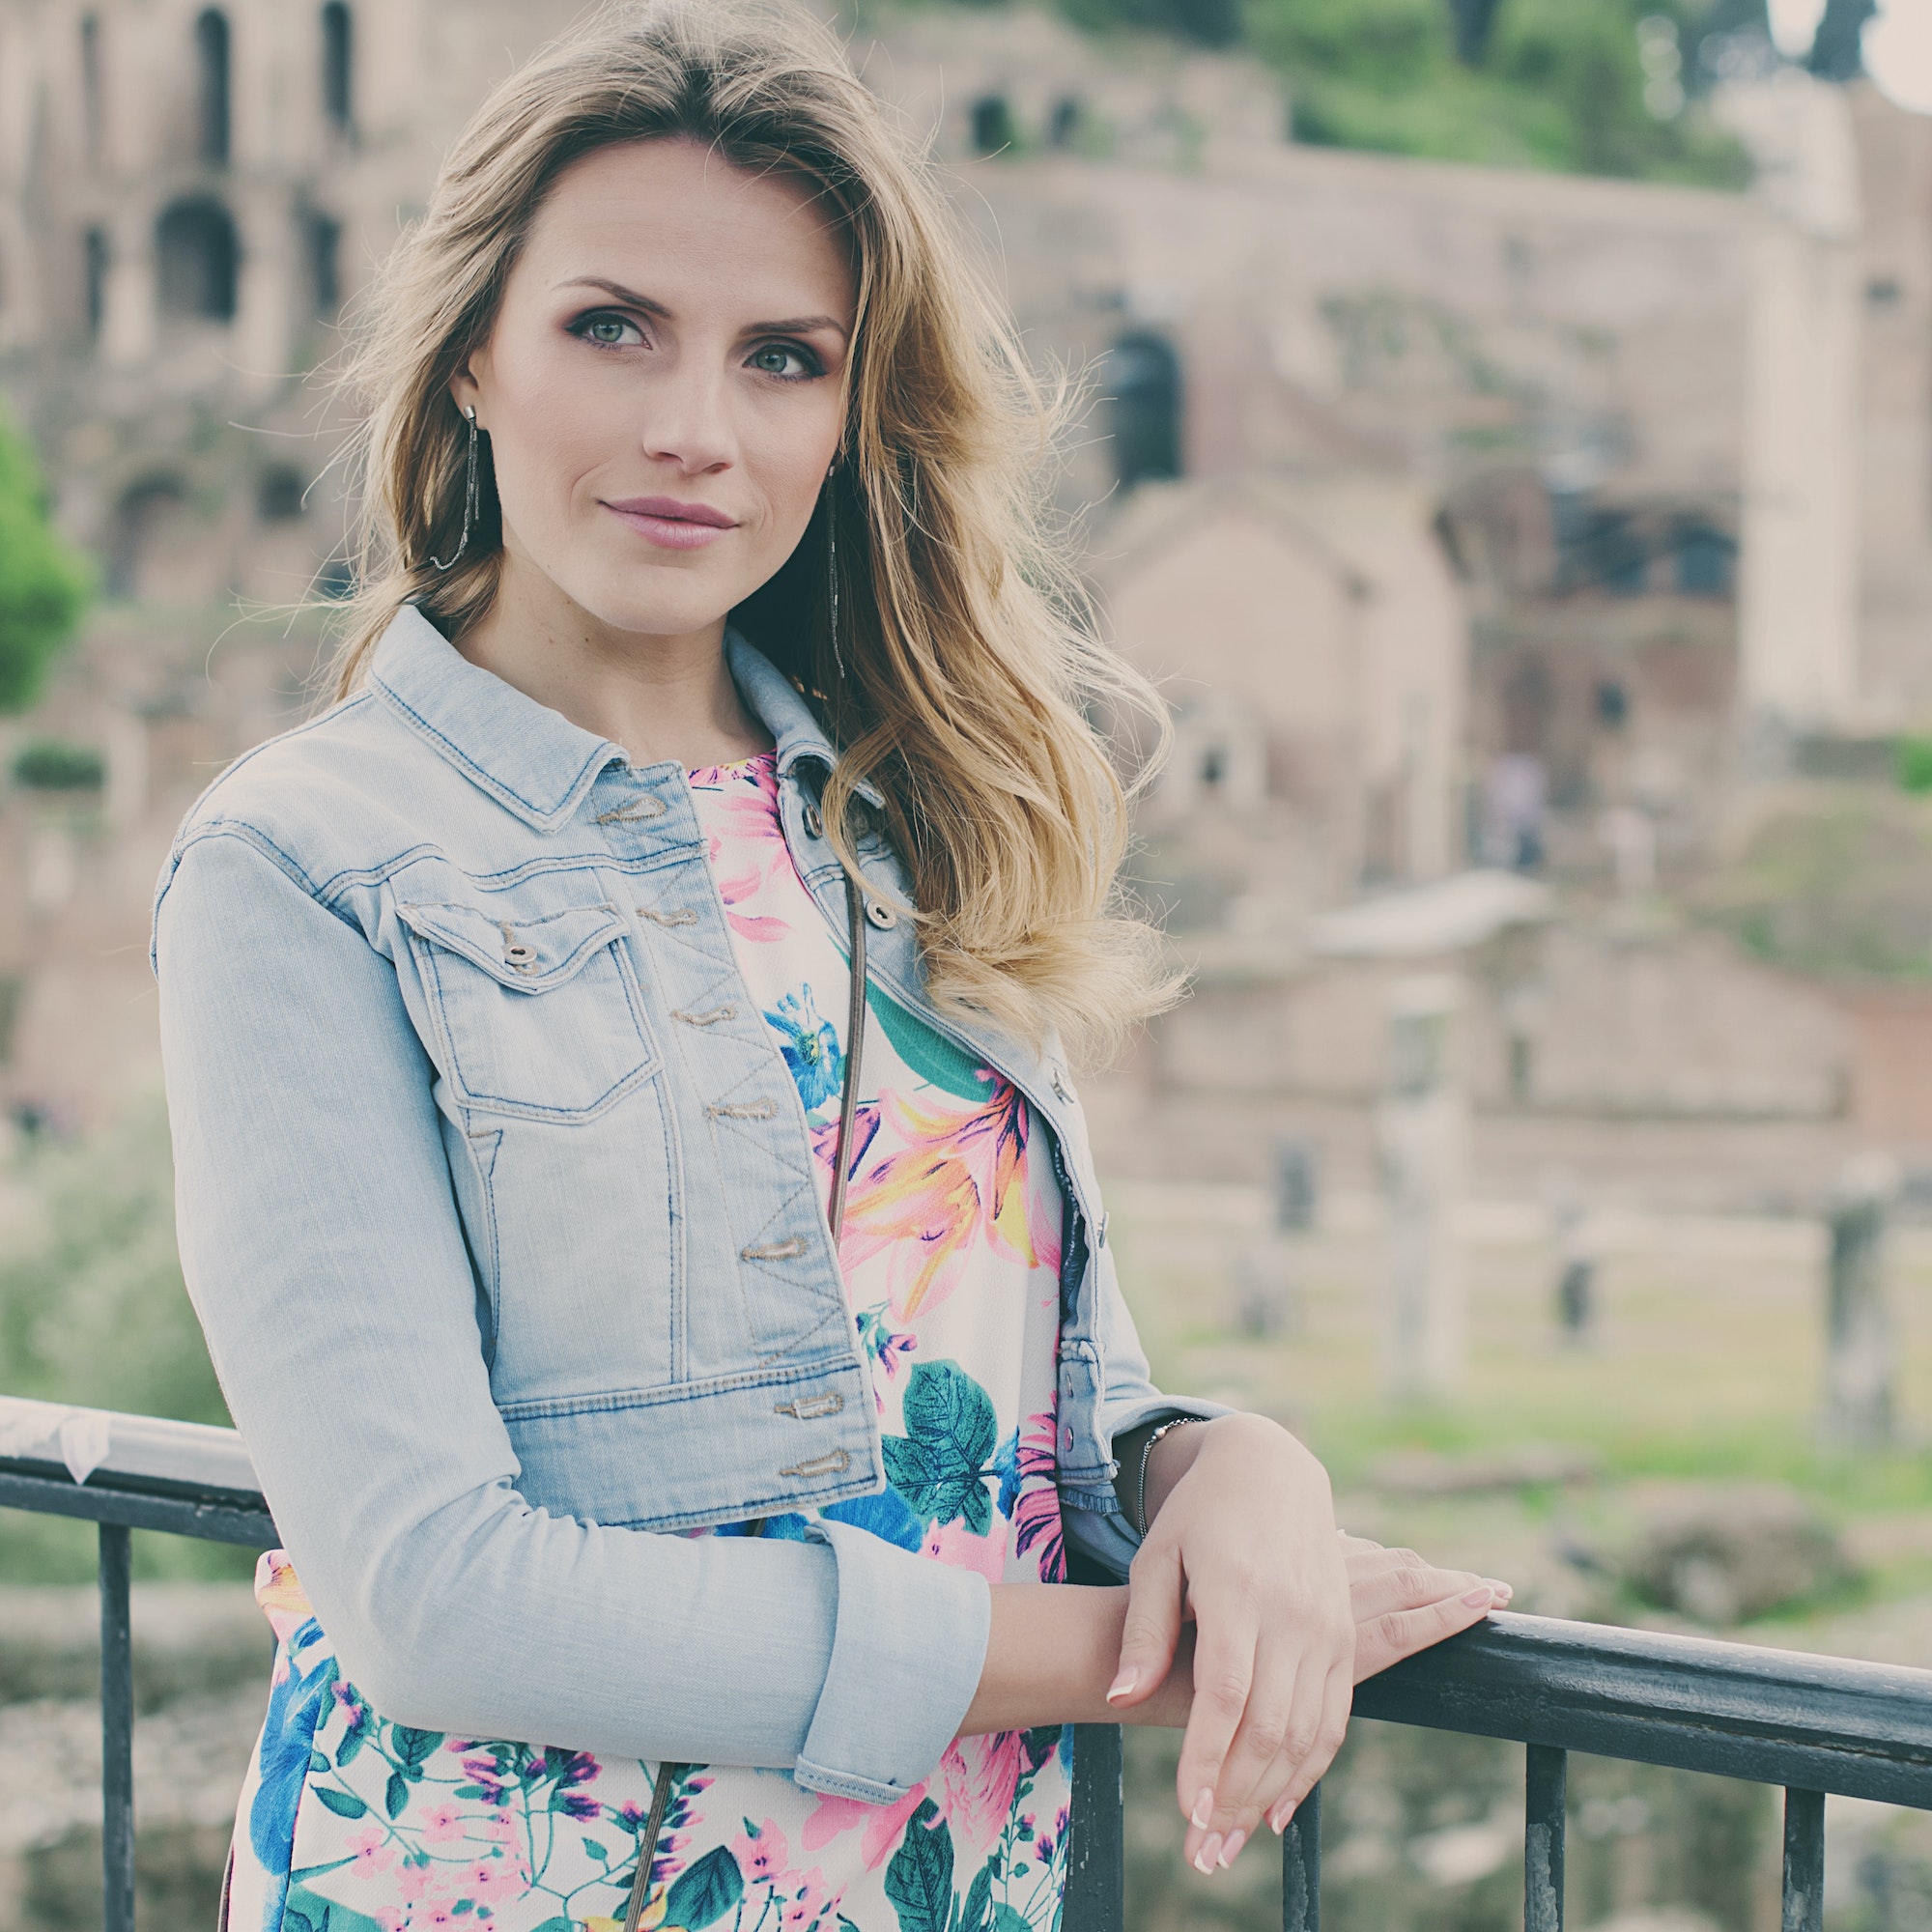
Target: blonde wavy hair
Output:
{"points": [[970, 665]]}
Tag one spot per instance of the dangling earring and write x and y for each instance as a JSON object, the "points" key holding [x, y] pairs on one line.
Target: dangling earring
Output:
{"points": [[832, 568], [469, 496]]}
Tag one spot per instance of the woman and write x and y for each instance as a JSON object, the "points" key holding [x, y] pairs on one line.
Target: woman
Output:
{"points": [[629, 1170]]}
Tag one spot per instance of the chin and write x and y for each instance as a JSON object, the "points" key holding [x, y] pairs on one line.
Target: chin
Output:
{"points": [[656, 610]]}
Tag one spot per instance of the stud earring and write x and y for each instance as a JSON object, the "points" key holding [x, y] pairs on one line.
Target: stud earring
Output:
{"points": [[469, 496]]}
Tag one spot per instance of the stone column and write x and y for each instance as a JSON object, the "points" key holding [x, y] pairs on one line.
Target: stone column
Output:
{"points": [[1858, 1321], [1422, 1138], [130, 313], [1798, 587]]}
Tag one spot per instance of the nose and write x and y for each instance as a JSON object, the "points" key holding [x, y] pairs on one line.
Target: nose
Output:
{"points": [[688, 422]]}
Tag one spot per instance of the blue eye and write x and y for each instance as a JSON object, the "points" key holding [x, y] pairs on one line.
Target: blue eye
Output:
{"points": [[607, 329], [788, 361]]}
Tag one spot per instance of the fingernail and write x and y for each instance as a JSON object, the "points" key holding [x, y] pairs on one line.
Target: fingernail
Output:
{"points": [[1230, 1848], [1279, 1817], [1478, 1600], [1122, 1684], [1204, 1807], [1208, 1856], [1504, 1590]]}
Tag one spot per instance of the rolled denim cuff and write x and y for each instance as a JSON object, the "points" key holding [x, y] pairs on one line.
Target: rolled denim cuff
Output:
{"points": [[906, 1658], [1092, 1519]]}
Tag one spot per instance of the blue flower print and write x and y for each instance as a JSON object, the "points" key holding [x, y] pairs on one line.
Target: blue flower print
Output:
{"points": [[811, 1047], [1005, 1465]]}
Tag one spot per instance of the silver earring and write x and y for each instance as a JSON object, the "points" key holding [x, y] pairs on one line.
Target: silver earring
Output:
{"points": [[832, 569], [469, 496]]}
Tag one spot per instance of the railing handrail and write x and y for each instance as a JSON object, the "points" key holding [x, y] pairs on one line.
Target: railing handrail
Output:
{"points": [[191, 1454], [1734, 1710], [1826, 1723], [1813, 1723]]}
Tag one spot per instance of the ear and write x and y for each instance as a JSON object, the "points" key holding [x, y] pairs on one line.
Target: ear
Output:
{"points": [[466, 393]]}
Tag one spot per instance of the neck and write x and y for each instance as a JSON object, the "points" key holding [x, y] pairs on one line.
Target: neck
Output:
{"points": [[664, 698]]}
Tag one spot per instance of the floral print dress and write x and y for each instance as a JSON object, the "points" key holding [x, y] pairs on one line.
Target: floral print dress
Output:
{"points": [[951, 1254]]}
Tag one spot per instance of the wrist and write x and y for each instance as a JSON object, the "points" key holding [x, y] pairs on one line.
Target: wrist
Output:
{"points": [[1051, 1653]]}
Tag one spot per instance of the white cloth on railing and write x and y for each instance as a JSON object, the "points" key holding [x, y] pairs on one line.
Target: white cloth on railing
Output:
{"points": [[80, 1437], [87, 1439]]}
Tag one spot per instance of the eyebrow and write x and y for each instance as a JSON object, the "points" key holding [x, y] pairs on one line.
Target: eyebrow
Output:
{"points": [[797, 324]]}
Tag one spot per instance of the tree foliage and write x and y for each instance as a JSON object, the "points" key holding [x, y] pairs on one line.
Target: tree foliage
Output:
{"points": [[44, 582], [1557, 84]]}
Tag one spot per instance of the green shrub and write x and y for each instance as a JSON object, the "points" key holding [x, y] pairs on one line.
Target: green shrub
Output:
{"points": [[44, 582], [1915, 763], [50, 764], [94, 1310]]}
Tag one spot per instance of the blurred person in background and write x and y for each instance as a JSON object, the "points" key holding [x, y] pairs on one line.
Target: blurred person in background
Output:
{"points": [[1515, 797], [619, 1061]]}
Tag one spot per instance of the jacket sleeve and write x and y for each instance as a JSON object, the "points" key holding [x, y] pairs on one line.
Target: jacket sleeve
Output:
{"points": [[1095, 1525], [321, 1246]]}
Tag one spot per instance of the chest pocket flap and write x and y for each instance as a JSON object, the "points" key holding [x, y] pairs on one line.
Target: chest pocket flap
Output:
{"points": [[542, 1016]]}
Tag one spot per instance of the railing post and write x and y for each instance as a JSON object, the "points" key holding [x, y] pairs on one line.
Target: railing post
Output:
{"points": [[1546, 1787], [116, 1731], [1804, 1861], [1096, 1879], [1301, 1867]]}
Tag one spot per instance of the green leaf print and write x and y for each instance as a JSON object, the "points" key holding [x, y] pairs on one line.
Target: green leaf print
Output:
{"points": [[704, 1892], [977, 1914], [1007, 1919], [321, 1915], [919, 1881], [396, 1794], [413, 1746], [344, 1803], [929, 1054], [940, 1464]]}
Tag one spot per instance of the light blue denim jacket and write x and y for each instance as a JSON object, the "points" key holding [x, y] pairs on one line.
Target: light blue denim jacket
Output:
{"points": [[496, 1204]]}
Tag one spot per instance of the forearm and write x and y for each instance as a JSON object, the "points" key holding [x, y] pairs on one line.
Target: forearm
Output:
{"points": [[1173, 1455], [1052, 1654]]}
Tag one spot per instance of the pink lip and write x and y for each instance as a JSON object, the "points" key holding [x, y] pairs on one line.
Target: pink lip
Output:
{"points": [[671, 524]]}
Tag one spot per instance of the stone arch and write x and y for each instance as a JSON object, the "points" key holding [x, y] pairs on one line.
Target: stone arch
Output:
{"points": [[212, 85], [152, 513], [197, 254], [1142, 386], [338, 69]]}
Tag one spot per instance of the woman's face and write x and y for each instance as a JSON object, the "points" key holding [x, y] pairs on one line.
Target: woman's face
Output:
{"points": [[661, 387]]}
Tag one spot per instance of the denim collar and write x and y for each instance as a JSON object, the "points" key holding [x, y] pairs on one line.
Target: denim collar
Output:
{"points": [[531, 760]]}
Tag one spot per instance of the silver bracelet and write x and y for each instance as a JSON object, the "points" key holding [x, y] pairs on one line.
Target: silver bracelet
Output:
{"points": [[1146, 1453]]}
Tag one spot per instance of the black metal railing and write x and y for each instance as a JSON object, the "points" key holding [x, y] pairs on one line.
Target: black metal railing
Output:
{"points": [[1813, 1724]]}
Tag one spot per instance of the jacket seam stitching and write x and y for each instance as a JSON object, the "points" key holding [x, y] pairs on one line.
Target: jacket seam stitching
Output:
{"points": [[486, 780]]}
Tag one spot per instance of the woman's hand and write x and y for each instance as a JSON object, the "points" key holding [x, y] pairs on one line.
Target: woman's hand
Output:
{"points": [[1241, 1538], [1250, 1551], [1404, 1603]]}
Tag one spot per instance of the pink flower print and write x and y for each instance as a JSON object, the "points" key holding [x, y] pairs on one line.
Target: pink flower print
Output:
{"points": [[825, 1144], [1035, 1510], [416, 1880], [443, 1823], [746, 821], [761, 1851], [981, 1776], [883, 1824], [950, 1185], [494, 1877], [811, 1905], [371, 1853], [955, 1545]]}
